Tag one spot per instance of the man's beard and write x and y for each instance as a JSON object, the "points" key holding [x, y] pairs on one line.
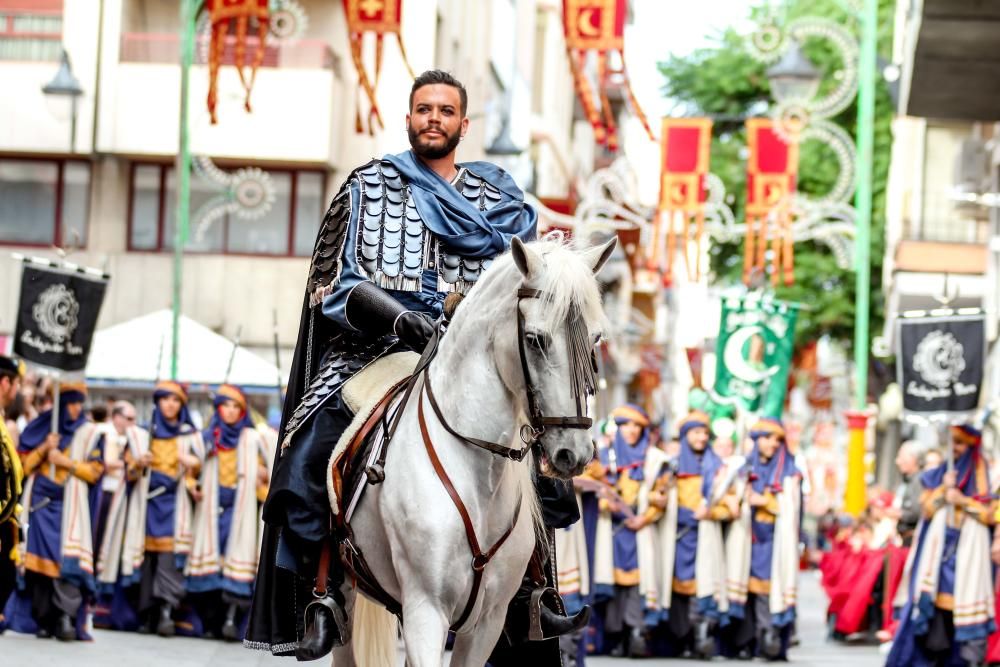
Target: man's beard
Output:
{"points": [[433, 152]]}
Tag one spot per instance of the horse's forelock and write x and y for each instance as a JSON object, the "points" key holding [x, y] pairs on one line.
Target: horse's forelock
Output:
{"points": [[567, 282]]}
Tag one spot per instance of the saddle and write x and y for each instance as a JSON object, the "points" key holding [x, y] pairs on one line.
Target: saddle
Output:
{"points": [[370, 394]]}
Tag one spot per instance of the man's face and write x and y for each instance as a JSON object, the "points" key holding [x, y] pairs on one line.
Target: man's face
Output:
{"points": [[123, 420], [958, 447], [170, 407], [631, 432], [906, 462], [9, 387], [435, 123], [697, 437], [74, 409], [767, 445], [230, 412], [723, 447]]}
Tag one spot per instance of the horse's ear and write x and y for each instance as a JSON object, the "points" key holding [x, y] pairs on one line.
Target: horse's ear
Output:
{"points": [[527, 260], [598, 256]]}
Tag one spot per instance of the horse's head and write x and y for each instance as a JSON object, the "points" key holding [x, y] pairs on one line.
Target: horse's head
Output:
{"points": [[544, 348]]}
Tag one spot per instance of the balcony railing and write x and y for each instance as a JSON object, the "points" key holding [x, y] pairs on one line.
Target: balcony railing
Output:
{"points": [[147, 47], [948, 220]]}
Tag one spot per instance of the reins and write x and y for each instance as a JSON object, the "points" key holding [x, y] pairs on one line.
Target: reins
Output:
{"points": [[582, 381]]}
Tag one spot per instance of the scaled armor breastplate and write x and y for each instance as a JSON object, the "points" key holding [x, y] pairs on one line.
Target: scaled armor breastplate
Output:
{"points": [[393, 246]]}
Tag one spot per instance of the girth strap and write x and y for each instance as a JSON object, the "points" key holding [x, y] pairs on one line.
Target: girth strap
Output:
{"points": [[480, 559]]}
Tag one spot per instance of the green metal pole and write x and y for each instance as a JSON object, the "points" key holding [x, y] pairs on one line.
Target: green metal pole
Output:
{"points": [[855, 492], [863, 196], [182, 223]]}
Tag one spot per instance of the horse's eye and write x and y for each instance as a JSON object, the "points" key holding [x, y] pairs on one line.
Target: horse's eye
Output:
{"points": [[538, 341]]}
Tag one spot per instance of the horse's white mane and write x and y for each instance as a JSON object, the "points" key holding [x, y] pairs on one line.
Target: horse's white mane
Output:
{"points": [[567, 282]]}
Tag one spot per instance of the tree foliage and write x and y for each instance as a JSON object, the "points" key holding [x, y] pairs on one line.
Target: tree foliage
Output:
{"points": [[724, 82]]}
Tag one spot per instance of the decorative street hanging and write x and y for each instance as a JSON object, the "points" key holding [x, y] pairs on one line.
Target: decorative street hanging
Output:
{"points": [[379, 17], [599, 25], [772, 170], [685, 146], [754, 354], [224, 15]]}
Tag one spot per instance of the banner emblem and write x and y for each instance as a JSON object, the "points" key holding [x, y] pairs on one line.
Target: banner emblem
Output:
{"points": [[56, 312]]}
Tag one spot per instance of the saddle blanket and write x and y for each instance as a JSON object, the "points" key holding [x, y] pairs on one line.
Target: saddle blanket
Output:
{"points": [[362, 394]]}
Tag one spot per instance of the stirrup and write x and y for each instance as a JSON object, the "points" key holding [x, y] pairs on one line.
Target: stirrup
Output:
{"points": [[326, 627], [545, 622]]}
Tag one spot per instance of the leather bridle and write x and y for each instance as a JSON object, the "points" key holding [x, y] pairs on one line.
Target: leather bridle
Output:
{"points": [[537, 421], [531, 434]]}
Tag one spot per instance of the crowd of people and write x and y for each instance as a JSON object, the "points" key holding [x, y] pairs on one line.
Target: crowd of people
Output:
{"points": [[106, 522], [686, 548], [914, 571]]}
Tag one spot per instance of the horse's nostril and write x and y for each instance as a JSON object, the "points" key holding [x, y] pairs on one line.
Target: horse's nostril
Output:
{"points": [[565, 459]]}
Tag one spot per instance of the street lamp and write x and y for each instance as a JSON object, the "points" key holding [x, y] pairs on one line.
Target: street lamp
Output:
{"points": [[503, 145], [65, 84], [794, 77]]}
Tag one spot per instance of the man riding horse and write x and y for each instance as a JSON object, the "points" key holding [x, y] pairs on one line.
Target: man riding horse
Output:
{"points": [[402, 232]]}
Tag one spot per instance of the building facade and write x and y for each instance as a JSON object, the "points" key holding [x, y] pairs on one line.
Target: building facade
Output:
{"points": [[108, 198]]}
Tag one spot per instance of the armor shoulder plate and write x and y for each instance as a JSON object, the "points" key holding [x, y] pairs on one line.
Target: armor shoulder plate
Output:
{"points": [[460, 273], [324, 273]]}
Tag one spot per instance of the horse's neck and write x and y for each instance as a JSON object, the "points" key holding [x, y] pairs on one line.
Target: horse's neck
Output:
{"points": [[475, 402]]}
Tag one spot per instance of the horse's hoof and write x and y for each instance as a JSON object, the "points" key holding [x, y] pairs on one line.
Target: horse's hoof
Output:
{"points": [[375, 473]]}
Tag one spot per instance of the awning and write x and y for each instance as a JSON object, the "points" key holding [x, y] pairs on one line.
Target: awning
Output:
{"points": [[136, 354]]}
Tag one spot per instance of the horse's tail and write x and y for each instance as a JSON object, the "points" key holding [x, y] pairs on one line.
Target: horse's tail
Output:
{"points": [[375, 633]]}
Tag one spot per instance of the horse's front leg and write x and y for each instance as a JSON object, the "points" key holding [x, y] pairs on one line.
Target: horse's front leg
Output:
{"points": [[473, 648], [425, 629]]}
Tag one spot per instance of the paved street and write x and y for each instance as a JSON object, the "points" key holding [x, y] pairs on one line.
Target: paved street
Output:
{"points": [[113, 648]]}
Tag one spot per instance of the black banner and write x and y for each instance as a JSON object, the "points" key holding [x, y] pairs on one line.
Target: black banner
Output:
{"points": [[57, 315], [941, 362]]}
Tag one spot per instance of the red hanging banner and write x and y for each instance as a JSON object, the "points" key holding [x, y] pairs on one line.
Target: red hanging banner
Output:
{"points": [[235, 15], [685, 145], [380, 17], [599, 25], [772, 171]]}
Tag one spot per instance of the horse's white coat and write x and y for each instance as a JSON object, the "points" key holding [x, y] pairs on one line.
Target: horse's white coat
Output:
{"points": [[408, 528]]}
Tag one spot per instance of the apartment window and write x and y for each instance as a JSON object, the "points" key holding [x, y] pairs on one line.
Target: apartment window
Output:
{"points": [[287, 229], [30, 30], [44, 202]]}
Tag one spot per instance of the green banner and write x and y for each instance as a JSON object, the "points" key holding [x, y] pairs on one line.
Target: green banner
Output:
{"points": [[754, 354]]}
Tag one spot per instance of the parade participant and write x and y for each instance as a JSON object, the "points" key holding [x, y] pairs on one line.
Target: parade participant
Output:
{"points": [[723, 542], [61, 468], [402, 232], [113, 498], [163, 507], [958, 515], [11, 478], [619, 547], [906, 506], [775, 500], [223, 559], [692, 499]]}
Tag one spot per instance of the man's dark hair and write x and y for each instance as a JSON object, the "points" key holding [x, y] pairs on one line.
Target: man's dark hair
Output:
{"points": [[433, 76]]}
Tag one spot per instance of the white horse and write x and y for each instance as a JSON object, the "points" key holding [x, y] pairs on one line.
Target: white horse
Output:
{"points": [[408, 527]]}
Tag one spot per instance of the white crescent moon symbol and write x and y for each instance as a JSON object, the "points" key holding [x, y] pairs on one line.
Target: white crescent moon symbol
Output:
{"points": [[585, 23], [737, 364]]}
